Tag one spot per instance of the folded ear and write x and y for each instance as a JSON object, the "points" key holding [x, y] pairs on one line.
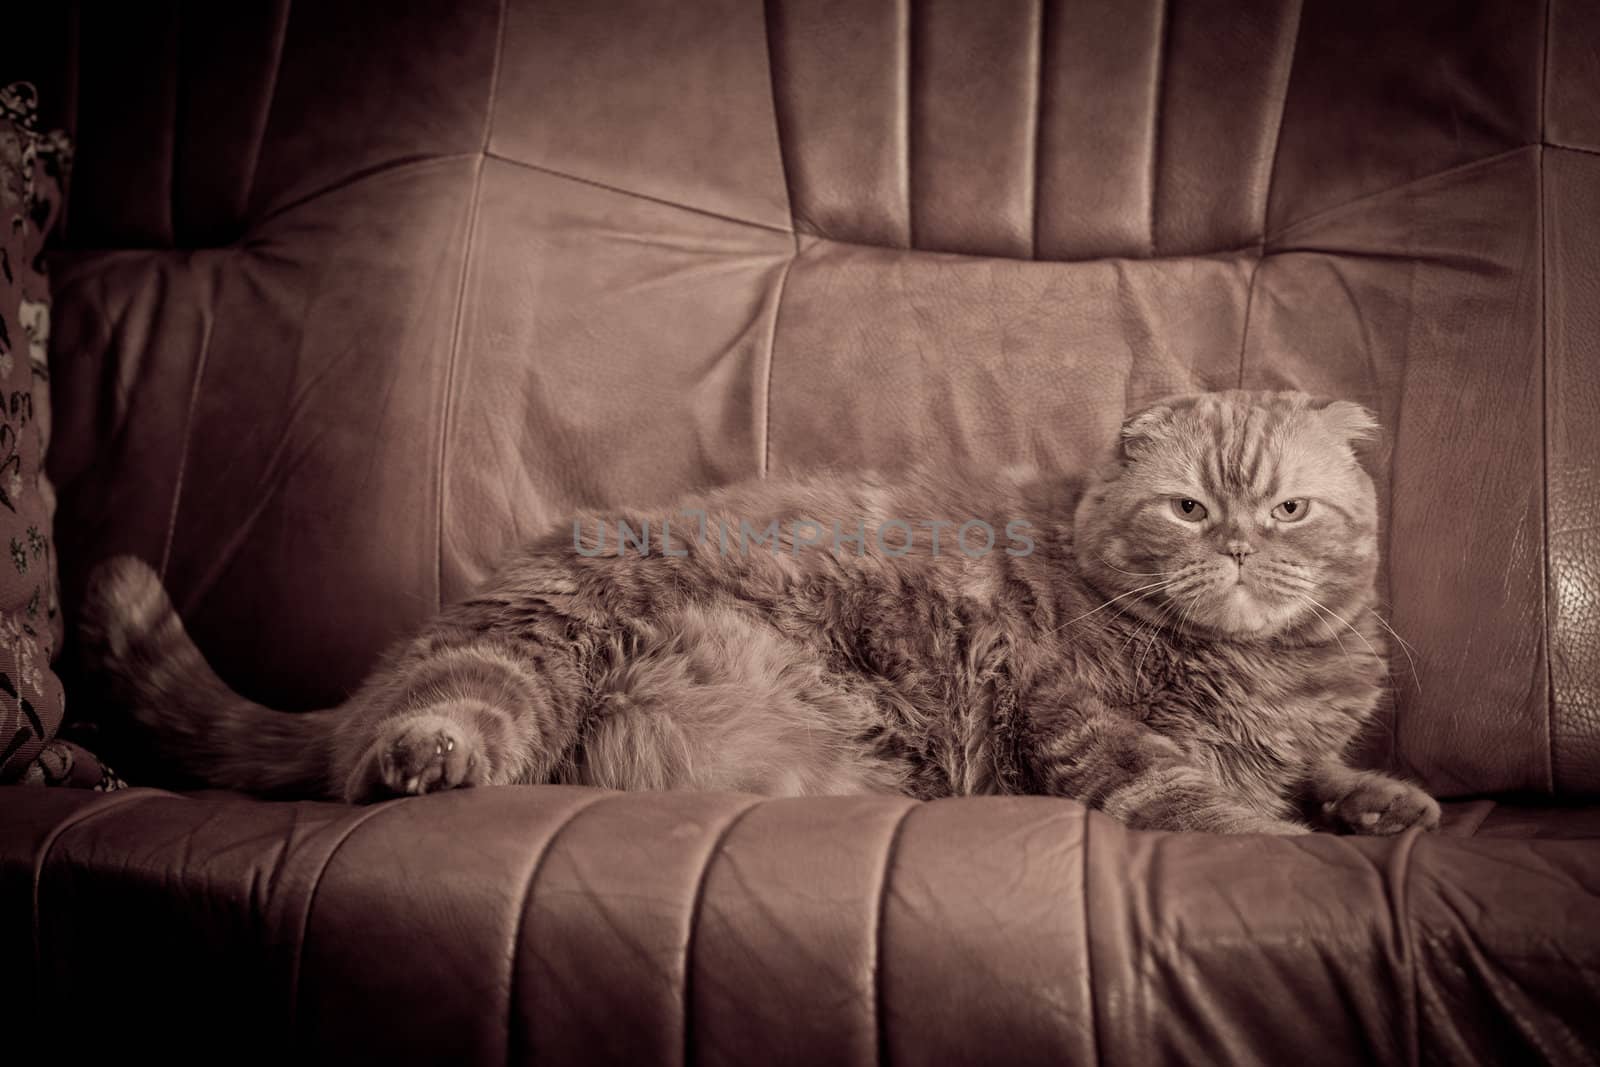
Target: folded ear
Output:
{"points": [[1348, 421], [1146, 426]]}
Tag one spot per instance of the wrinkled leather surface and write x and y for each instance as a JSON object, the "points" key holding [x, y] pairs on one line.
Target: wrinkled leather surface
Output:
{"points": [[353, 301], [555, 925]]}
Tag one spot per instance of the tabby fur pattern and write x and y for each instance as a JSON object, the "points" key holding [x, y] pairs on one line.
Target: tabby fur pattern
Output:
{"points": [[1192, 644]]}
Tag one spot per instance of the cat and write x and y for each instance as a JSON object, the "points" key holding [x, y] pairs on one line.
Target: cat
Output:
{"points": [[1185, 639]]}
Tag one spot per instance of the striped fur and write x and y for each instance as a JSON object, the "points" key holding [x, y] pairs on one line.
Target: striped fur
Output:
{"points": [[1177, 674]]}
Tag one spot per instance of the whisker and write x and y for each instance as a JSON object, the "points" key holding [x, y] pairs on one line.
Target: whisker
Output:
{"points": [[1140, 574], [1403, 642], [1175, 587], [1193, 602], [1363, 637], [1107, 604], [1284, 575], [1139, 631], [1106, 624], [1344, 621], [1331, 631], [1150, 625], [1404, 647], [1155, 635]]}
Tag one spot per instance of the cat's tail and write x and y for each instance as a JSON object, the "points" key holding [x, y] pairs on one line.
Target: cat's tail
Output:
{"points": [[188, 720]]}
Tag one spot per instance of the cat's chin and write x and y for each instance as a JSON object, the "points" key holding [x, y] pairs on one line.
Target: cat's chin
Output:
{"points": [[1241, 614]]}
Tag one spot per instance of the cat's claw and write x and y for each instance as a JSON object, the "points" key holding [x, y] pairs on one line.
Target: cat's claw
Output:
{"points": [[426, 754]]}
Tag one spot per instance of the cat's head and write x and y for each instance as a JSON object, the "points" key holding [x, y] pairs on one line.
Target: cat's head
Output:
{"points": [[1241, 515]]}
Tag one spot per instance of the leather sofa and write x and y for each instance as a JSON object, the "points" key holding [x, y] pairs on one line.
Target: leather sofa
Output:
{"points": [[352, 297]]}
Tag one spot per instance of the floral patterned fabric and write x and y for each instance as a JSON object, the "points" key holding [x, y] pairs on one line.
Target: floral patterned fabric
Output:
{"points": [[70, 764], [33, 169]]}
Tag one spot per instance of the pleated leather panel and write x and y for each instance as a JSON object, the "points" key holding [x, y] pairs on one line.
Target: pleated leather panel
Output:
{"points": [[672, 102], [1032, 130]]}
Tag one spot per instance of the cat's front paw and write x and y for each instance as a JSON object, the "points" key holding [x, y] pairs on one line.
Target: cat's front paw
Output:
{"points": [[425, 754], [1382, 805]]}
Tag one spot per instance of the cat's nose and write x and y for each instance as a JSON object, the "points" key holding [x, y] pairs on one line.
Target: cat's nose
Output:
{"points": [[1239, 550]]}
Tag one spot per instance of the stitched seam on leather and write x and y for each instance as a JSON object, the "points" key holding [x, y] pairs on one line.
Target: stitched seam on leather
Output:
{"points": [[696, 904], [1249, 304], [270, 98], [1462, 262], [74, 89], [494, 78], [1546, 597], [297, 943], [879, 1013], [1398, 187], [522, 917], [201, 361], [907, 89], [223, 555], [1395, 757], [445, 420], [173, 60], [1572, 148], [85, 814], [1277, 139], [1400, 905], [637, 195], [1251, 248], [1544, 414], [397, 165], [1544, 73], [1163, 28], [1088, 940], [119, 431], [1266, 200], [783, 278], [1040, 24], [1478, 812], [772, 353], [777, 113]]}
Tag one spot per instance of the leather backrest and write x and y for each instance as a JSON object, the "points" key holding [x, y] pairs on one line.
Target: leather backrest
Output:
{"points": [[356, 298]]}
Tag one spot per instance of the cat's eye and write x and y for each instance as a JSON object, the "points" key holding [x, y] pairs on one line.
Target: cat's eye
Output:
{"points": [[1292, 510], [1188, 510]]}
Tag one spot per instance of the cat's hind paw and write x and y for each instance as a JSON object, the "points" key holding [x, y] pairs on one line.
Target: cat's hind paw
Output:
{"points": [[426, 753]]}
